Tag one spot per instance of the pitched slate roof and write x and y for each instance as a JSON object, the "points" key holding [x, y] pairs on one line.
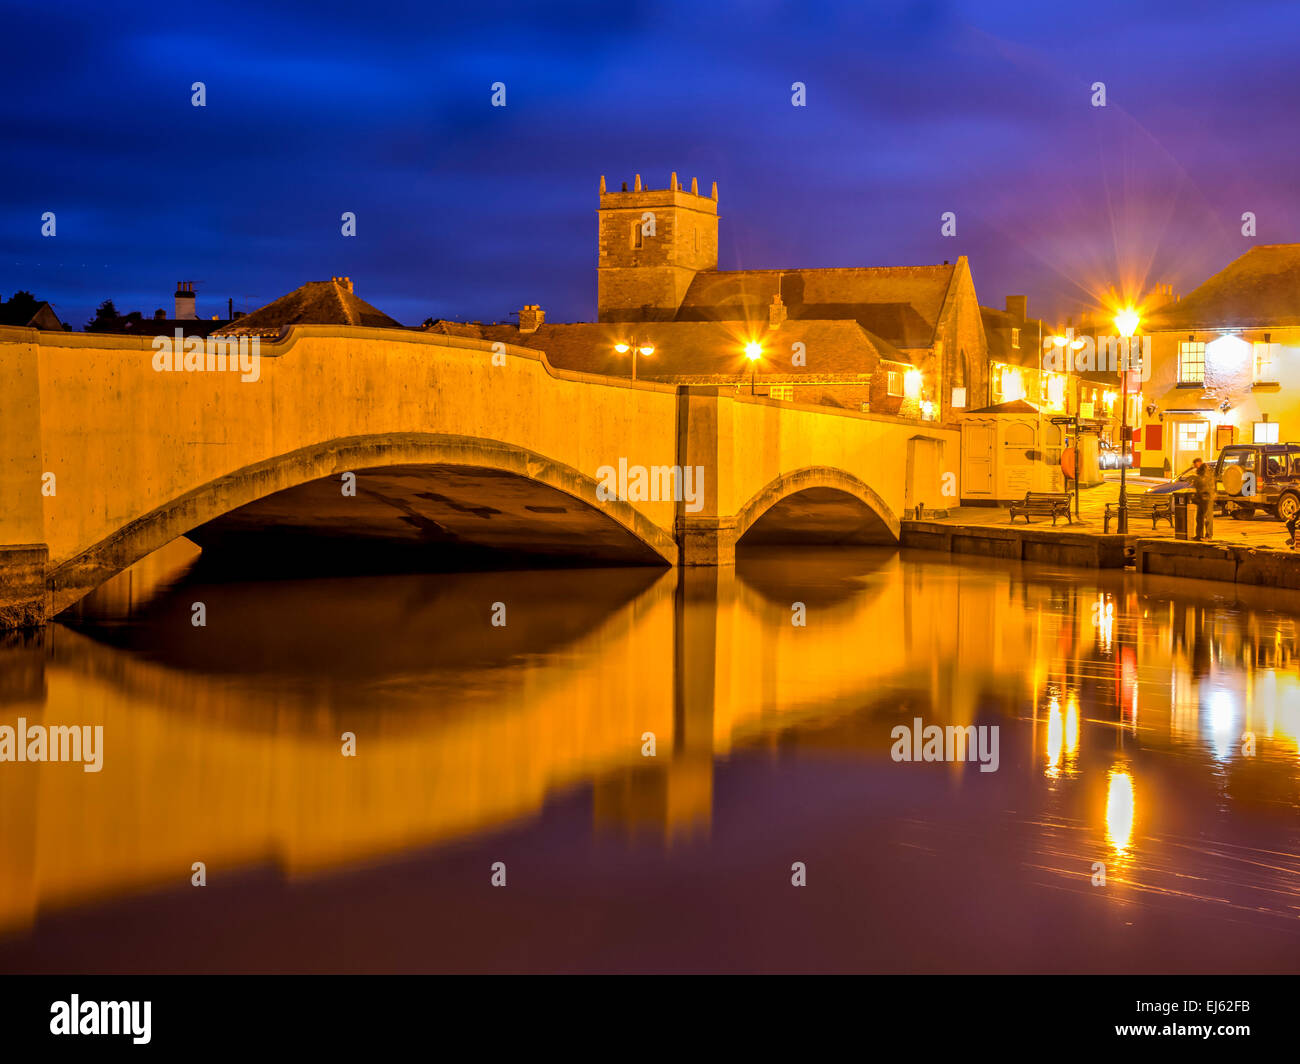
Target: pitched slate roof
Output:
{"points": [[168, 326], [700, 352], [899, 304], [315, 303], [1260, 288]]}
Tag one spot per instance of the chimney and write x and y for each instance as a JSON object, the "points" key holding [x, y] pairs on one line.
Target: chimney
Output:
{"points": [[185, 301], [1161, 295], [531, 318], [776, 313], [1018, 307]]}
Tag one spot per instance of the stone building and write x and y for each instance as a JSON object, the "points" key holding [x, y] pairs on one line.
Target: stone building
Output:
{"points": [[902, 340]]}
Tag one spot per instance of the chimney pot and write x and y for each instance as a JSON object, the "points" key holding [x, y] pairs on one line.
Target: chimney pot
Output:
{"points": [[531, 318], [777, 312], [184, 301]]}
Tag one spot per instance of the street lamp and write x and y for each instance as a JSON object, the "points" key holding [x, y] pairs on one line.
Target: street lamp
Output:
{"points": [[637, 347], [753, 352], [1126, 321]]}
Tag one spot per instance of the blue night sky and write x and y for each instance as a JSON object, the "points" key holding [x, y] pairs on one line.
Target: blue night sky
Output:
{"points": [[468, 211]]}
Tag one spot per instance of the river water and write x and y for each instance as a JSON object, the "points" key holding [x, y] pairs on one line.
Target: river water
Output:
{"points": [[1146, 730]]}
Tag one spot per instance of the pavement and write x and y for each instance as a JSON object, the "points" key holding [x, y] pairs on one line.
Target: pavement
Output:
{"points": [[1256, 531]]}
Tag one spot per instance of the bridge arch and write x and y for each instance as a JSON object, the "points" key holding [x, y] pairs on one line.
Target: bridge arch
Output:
{"points": [[816, 504], [215, 500]]}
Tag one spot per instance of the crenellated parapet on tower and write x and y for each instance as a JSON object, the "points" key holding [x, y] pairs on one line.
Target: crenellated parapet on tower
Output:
{"points": [[652, 244]]}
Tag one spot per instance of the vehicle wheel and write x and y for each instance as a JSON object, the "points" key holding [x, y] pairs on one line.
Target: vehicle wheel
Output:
{"points": [[1287, 506]]}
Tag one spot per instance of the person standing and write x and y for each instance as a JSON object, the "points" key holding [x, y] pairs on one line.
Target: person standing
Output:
{"points": [[1203, 490]]}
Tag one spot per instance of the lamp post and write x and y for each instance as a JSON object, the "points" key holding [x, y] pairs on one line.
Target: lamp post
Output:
{"points": [[1126, 321], [1074, 345], [753, 352], [637, 347]]}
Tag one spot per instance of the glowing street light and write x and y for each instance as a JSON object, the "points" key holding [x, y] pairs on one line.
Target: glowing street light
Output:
{"points": [[1126, 321], [637, 347], [753, 352]]}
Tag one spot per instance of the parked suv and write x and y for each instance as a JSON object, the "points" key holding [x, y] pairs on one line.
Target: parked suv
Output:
{"points": [[1276, 471]]}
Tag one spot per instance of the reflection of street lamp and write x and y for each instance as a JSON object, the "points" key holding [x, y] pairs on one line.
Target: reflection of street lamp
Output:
{"points": [[1126, 321], [637, 347], [753, 352]]}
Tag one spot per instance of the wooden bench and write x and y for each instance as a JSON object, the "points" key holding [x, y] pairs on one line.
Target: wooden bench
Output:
{"points": [[1156, 507], [1042, 504]]}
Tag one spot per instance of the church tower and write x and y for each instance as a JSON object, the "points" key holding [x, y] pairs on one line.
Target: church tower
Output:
{"points": [[652, 244]]}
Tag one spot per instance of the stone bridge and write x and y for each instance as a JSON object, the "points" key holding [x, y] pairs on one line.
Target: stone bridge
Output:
{"points": [[453, 447]]}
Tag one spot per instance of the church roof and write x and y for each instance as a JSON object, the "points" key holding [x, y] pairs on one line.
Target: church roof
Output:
{"points": [[1260, 288], [703, 351], [329, 302], [899, 304]]}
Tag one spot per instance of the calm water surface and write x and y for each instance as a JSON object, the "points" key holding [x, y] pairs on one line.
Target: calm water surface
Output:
{"points": [[1148, 724]]}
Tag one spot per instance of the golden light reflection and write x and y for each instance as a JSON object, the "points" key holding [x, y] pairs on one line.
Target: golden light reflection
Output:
{"points": [[1071, 726], [1055, 738], [1119, 811], [1103, 619]]}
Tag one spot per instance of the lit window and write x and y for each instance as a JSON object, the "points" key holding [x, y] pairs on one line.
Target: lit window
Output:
{"points": [[995, 382], [1191, 435], [1015, 338], [1264, 355], [894, 385], [1266, 432], [1191, 362], [1012, 385], [1056, 390], [782, 391]]}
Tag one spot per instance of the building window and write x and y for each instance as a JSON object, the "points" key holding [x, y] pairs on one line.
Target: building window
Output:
{"points": [[1192, 435], [1015, 338], [696, 231], [1056, 391], [637, 234], [1191, 362], [995, 383], [781, 391], [894, 383], [1264, 355], [1266, 432]]}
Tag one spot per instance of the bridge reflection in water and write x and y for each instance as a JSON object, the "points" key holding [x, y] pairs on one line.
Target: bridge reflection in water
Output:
{"points": [[1122, 704]]}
